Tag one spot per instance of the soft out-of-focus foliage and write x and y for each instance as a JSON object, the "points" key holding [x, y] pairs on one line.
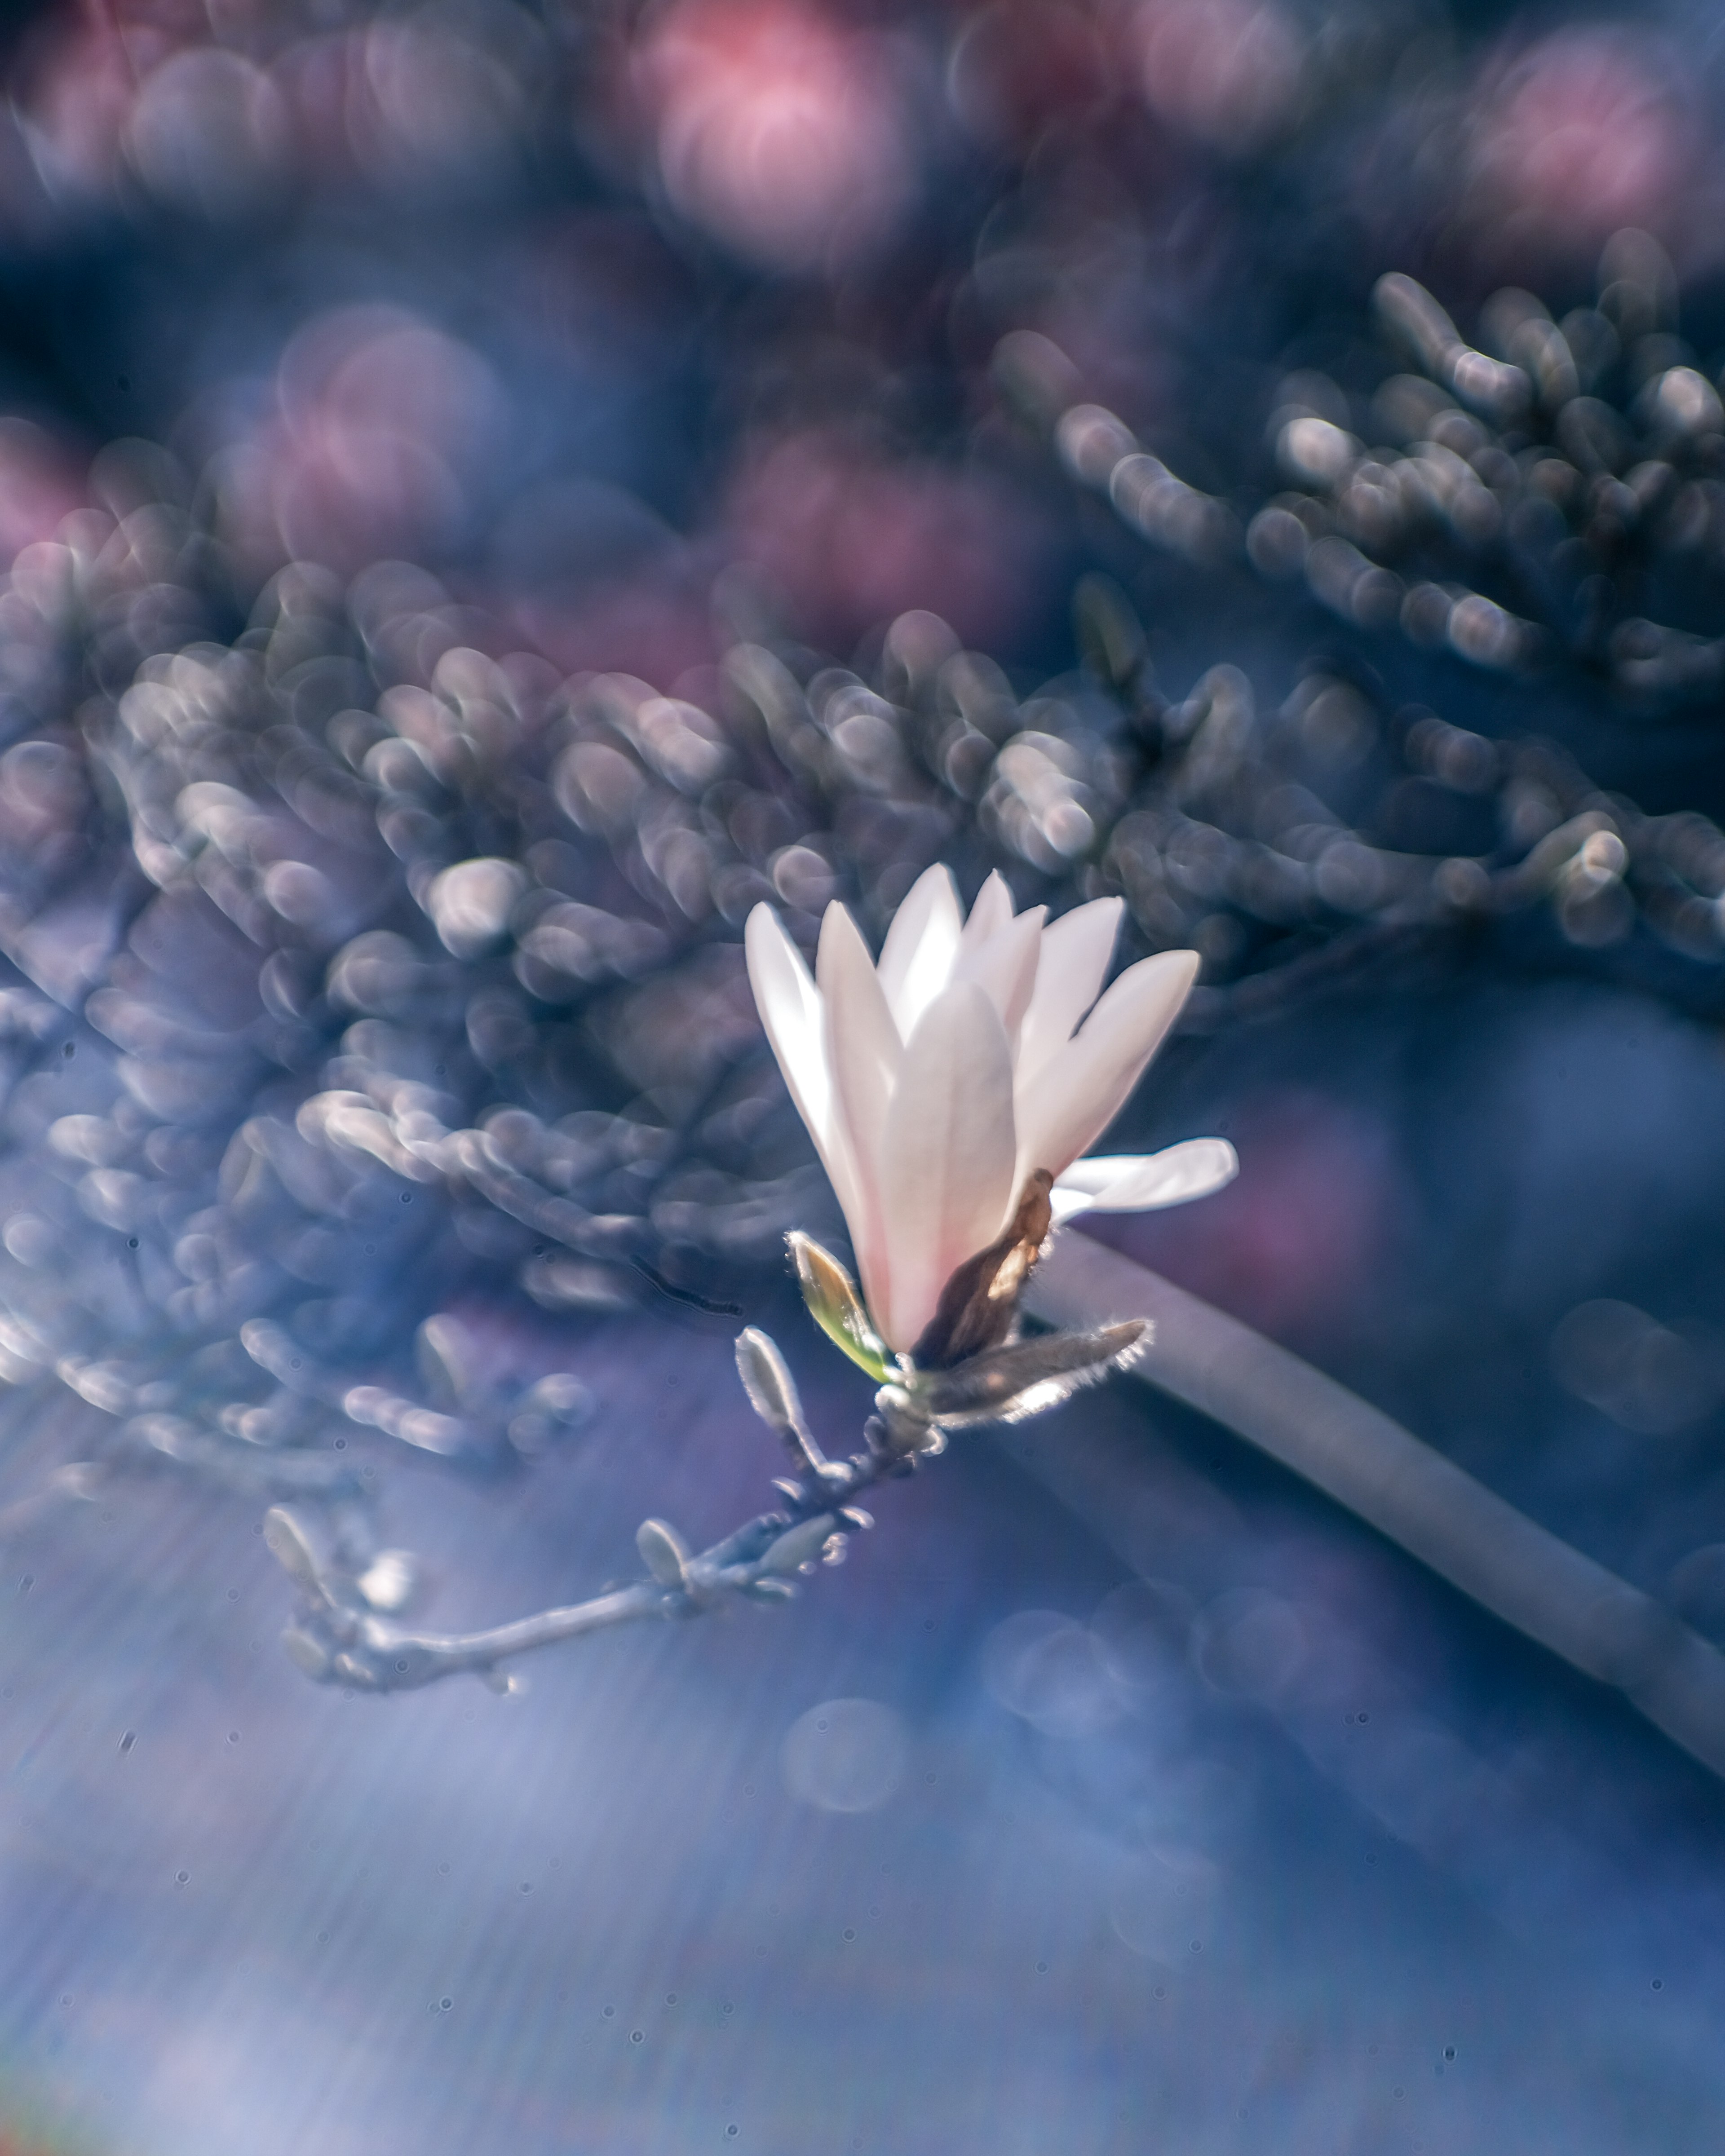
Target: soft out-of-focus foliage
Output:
{"points": [[1575, 470]]}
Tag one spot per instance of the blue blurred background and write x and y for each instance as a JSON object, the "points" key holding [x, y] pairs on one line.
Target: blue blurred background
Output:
{"points": [[456, 388]]}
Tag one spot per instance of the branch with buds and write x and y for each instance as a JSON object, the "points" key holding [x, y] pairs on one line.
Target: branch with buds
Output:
{"points": [[339, 1639], [951, 1088]]}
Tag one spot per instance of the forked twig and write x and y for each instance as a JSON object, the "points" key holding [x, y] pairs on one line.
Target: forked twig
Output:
{"points": [[338, 1638]]}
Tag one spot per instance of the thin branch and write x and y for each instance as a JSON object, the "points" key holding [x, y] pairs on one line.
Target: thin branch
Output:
{"points": [[1404, 1489], [337, 1640]]}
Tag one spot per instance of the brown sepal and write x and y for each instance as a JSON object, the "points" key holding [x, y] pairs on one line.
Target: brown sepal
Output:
{"points": [[979, 1304]]}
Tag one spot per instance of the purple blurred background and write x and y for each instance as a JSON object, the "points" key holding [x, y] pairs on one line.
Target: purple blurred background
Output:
{"points": [[1120, 1792]]}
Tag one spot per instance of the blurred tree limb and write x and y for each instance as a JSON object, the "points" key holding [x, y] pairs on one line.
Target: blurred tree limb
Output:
{"points": [[1404, 1488]]}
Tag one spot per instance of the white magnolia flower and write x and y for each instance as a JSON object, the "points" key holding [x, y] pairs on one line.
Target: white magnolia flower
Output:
{"points": [[936, 1083]]}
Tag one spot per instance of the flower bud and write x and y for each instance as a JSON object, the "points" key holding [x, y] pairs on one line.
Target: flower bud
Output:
{"points": [[307, 1651], [663, 1551], [836, 1307], [772, 1389], [290, 1545], [800, 1545]]}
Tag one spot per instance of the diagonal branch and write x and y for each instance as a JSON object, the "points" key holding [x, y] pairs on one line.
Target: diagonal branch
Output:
{"points": [[337, 1640], [1404, 1488]]}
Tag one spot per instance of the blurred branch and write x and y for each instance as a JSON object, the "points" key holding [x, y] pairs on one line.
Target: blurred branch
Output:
{"points": [[1406, 1489]]}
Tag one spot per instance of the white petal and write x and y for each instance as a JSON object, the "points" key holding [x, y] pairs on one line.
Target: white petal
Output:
{"points": [[921, 943], [1141, 1183], [992, 911], [1069, 1103], [946, 1173], [1070, 973], [863, 1055], [1004, 967], [790, 1008]]}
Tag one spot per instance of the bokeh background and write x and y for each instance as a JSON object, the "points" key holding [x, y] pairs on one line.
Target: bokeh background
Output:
{"points": [[487, 494]]}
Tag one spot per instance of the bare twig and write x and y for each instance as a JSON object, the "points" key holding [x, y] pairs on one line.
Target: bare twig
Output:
{"points": [[338, 1641], [338, 1638]]}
